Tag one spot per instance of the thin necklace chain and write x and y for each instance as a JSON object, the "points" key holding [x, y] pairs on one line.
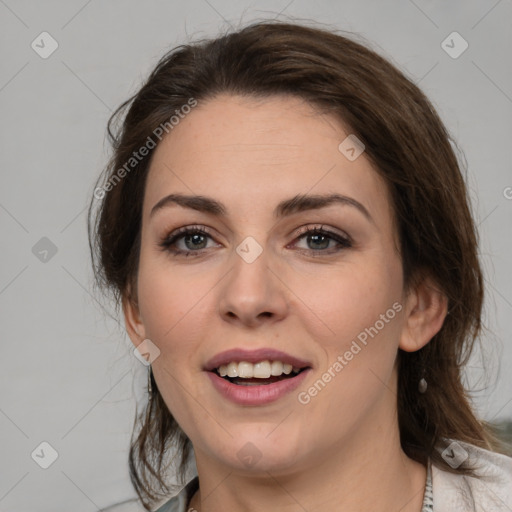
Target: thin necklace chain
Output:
{"points": [[428, 497]]}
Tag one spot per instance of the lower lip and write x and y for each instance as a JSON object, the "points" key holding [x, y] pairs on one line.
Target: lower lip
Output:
{"points": [[254, 394]]}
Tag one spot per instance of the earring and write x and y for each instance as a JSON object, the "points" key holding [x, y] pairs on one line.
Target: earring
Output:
{"points": [[422, 385], [150, 387], [149, 405]]}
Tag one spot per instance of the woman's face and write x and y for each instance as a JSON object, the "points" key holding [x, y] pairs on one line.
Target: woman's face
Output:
{"points": [[330, 303]]}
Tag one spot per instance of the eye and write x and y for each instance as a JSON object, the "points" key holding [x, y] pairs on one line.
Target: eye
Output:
{"points": [[194, 239], [321, 238]]}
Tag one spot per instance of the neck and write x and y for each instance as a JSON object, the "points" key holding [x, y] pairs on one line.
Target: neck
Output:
{"points": [[368, 472]]}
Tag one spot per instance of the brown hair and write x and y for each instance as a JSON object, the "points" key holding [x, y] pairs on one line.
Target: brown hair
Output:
{"points": [[409, 147]]}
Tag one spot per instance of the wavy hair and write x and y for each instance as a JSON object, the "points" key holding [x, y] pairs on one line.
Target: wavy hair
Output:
{"points": [[409, 147]]}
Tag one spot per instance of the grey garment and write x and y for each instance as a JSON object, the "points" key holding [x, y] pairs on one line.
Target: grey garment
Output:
{"points": [[491, 492], [180, 502]]}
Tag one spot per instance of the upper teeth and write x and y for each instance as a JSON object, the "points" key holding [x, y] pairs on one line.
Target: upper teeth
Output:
{"points": [[261, 370]]}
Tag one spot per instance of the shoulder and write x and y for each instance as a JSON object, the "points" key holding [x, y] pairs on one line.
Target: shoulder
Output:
{"points": [[459, 492], [180, 501]]}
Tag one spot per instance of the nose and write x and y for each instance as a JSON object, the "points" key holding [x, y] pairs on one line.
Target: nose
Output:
{"points": [[252, 292]]}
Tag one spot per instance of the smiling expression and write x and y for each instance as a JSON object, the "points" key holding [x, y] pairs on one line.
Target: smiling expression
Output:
{"points": [[248, 179]]}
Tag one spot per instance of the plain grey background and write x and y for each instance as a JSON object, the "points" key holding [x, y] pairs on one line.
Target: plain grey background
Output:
{"points": [[68, 374]]}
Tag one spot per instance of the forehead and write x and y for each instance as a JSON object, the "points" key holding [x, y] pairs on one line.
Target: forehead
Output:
{"points": [[252, 153]]}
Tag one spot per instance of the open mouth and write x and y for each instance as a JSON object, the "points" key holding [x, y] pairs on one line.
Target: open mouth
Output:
{"points": [[256, 378], [259, 374]]}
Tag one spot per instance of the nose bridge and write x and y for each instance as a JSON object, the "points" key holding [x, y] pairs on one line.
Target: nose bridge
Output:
{"points": [[250, 276], [251, 287]]}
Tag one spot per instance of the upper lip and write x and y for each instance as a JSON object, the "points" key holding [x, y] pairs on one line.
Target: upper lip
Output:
{"points": [[253, 356]]}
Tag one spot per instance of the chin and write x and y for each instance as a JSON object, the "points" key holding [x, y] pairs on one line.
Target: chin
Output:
{"points": [[265, 464], [260, 454]]}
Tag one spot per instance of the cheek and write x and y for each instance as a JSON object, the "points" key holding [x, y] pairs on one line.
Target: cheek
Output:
{"points": [[352, 299], [164, 294], [171, 306], [174, 320], [363, 311], [361, 308]]}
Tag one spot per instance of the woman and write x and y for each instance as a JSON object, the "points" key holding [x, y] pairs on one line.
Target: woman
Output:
{"points": [[287, 229]]}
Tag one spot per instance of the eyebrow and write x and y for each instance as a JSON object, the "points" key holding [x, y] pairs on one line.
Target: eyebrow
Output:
{"points": [[298, 203]]}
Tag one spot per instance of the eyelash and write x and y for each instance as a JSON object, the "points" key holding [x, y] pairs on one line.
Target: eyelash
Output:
{"points": [[168, 243]]}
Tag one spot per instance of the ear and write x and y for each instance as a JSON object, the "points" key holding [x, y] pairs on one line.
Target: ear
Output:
{"points": [[133, 320], [425, 311]]}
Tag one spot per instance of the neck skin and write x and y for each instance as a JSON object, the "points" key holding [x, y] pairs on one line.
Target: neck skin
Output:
{"points": [[365, 471]]}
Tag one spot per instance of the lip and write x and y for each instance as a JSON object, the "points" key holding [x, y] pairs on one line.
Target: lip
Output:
{"points": [[256, 395], [254, 356]]}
